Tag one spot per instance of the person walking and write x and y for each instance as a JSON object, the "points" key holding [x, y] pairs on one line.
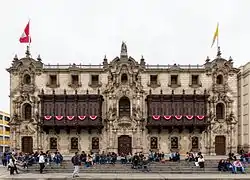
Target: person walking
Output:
{"points": [[15, 163], [11, 165], [76, 162], [41, 162]]}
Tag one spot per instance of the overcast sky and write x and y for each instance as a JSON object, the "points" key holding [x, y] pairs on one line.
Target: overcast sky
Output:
{"points": [[83, 31]]}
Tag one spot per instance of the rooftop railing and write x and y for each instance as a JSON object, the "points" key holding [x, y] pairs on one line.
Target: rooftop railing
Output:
{"points": [[100, 66], [81, 66], [175, 66]]}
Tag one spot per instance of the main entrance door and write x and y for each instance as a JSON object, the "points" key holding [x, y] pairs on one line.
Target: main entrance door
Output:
{"points": [[27, 144], [220, 145], [124, 144]]}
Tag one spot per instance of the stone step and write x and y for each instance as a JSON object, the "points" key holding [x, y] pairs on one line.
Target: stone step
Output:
{"points": [[140, 171]]}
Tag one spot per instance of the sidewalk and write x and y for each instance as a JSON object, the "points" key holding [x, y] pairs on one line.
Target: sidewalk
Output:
{"points": [[138, 176]]}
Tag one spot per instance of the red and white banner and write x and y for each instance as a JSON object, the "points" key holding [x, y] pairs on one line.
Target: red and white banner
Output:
{"points": [[167, 117], [81, 117], [70, 117], [25, 37], [156, 117], [47, 118], [59, 118], [189, 117], [200, 117], [93, 117], [178, 117]]}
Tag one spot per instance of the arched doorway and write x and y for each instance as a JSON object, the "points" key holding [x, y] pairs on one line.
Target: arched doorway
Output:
{"points": [[124, 144], [220, 145], [27, 144], [124, 107]]}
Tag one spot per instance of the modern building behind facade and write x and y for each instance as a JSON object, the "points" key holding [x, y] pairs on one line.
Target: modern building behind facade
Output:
{"points": [[244, 106], [4, 132], [126, 106]]}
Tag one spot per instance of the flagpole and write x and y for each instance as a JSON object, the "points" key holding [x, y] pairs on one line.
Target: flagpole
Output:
{"points": [[29, 32], [218, 36]]}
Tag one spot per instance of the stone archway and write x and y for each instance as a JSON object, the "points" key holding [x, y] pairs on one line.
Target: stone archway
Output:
{"points": [[124, 144], [220, 145], [27, 144]]}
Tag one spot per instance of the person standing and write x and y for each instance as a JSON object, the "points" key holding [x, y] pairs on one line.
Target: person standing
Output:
{"points": [[76, 162], [41, 162]]}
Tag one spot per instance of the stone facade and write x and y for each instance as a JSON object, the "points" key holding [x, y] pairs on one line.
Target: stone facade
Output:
{"points": [[125, 77]]}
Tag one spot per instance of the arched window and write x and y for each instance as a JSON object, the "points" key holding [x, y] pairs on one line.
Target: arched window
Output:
{"points": [[26, 79], [27, 111], [195, 142], [53, 143], [74, 143], [220, 111], [174, 143], [124, 78], [95, 143], [153, 143], [124, 107], [219, 79]]}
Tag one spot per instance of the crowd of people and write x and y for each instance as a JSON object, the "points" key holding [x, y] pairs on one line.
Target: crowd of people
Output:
{"points": [[138, 161], [11, 160], [232, 164]]}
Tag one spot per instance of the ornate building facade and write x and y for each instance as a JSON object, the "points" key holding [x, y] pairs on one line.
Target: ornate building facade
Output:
{"points": [[124, 106]]}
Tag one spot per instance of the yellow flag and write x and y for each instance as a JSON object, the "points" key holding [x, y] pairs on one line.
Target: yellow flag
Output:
{"points": [[216, 34]]}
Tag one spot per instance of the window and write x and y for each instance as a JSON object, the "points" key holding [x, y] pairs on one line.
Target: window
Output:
{"points": [[7, 129], [74, 143], [1, 117], [153, 79], [53, 80], [174, 143], [6, 118], [95, 79], [27, 111], [75, 80], [174, 79], [195, 142], [153, 143], [95, 143], [53, 143], [219, 79], [26, 79], [195, 79], [220, 111], [124, 107], [124, 78]]}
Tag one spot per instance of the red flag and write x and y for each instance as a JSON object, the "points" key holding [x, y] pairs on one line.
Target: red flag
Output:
{"points": [[25, 38]]}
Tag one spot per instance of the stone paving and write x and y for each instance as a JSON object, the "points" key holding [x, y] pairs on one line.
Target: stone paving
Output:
{"points": [[4, 175]]}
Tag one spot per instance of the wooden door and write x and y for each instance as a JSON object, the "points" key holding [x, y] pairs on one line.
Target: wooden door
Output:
{"points": [[124, 144], [27, 144], [220, 145]]}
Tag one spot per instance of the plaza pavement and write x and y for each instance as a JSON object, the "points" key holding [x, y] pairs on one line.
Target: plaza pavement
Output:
{"points": [[4, 175]]}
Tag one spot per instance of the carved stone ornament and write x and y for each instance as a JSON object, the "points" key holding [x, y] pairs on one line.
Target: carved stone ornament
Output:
{"points": [[137, 114], [112, 114], [231, 119], [219, 128], [28, 130]]}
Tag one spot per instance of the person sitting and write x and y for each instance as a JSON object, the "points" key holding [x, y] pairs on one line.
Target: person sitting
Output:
{"points": [[187, 156], [221, 165], [237, 165], [201, 161], [135, 161]]}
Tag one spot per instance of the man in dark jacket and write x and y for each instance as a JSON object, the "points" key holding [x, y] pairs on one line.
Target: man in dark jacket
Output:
{"points": [[76, 162]]}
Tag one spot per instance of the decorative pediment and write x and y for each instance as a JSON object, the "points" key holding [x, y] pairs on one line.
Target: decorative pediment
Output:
{"points": [[221, 97]]}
